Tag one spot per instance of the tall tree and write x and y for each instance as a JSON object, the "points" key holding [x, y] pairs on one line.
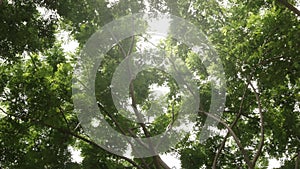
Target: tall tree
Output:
{"points": [[257, 41]]}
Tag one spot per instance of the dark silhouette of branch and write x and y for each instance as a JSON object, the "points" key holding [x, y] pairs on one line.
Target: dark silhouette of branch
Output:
{"points": [[297, 163], [262, 137], [64, 117], [289, 6], [34, 63]]}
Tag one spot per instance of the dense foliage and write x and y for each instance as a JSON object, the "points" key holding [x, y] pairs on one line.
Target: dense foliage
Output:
{"points": [[257, 41]]}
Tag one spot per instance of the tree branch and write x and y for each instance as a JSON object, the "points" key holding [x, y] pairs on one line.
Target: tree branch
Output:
{"points": [[120, 46], [157, 160], [262, 137], [124, 133], [91, 143], [297, 163], [231, 126], [236, 139], [64, 117], [289, 6], [74, 135]]}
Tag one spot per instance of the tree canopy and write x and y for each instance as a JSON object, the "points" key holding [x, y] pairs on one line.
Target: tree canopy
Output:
{"points": [[258, 43]]}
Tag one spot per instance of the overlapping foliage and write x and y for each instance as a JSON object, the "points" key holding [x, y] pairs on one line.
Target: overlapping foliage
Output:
{"points": [[257, 41]]}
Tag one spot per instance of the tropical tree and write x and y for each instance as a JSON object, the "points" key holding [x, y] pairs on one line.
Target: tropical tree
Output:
{"points": [[258, 43]]}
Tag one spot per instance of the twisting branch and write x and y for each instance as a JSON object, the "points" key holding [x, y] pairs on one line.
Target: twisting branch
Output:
{"points": [[236, 139], [262, 130], [231, 126]]}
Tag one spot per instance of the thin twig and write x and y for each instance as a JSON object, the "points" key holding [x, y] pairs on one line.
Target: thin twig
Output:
{"points": [[121, 47], [231, 126], [132, 39]]}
